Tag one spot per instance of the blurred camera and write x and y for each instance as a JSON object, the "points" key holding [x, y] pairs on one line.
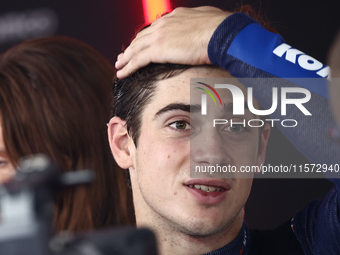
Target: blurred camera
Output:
{"points": [[26, 213]]}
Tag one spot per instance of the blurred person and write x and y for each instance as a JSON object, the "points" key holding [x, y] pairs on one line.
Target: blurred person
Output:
{"points": [[240, 45], [334, 63], [54, 99]]}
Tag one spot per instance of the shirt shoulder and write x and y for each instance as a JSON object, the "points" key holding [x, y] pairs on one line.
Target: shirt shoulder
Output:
{"points": [[279, 241]]}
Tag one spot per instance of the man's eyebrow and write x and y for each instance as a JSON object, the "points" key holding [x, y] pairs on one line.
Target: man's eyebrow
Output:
{"points": [[193, 108], [181, 107]]}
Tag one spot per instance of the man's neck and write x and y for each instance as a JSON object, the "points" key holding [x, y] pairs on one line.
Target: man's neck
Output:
{"points": [[171, 240], [179, 243]]}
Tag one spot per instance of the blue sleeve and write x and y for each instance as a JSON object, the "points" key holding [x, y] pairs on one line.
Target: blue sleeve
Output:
{"points": [[247, 50]]}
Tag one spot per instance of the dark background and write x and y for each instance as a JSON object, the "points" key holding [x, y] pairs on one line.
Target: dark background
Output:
{"points": [[107, 25]]}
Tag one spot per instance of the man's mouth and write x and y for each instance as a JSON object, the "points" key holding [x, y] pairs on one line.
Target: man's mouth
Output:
{"points": [[208, 191], [208, 185], [206, 188]]}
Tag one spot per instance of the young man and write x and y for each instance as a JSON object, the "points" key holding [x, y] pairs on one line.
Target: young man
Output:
{"points": [[179, 217], [150, 136]]}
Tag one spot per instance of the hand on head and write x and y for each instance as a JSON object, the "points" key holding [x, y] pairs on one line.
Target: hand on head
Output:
{"points": [[180, 37]]}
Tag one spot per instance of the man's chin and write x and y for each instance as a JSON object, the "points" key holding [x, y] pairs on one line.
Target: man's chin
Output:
{"points": [[203, 228]]}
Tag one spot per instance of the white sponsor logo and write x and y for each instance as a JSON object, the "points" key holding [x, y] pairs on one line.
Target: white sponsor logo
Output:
{"points": [[306, 62]]}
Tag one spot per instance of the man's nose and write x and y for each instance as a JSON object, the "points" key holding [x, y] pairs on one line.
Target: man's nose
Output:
{"points": [[208, 148]]}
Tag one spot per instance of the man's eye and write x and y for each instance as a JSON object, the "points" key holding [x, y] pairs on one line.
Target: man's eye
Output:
{"points": [[235, 128], [182, 125]]}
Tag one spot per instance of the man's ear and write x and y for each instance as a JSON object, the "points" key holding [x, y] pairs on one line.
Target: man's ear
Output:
{"points": [[261, 156], [119, 140]]}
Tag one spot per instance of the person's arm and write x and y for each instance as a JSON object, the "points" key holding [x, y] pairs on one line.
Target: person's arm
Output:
{"points": [[247, 50], [179, 37]]}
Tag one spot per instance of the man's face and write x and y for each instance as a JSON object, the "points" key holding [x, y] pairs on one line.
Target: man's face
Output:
{"points": [[160, 175]]}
